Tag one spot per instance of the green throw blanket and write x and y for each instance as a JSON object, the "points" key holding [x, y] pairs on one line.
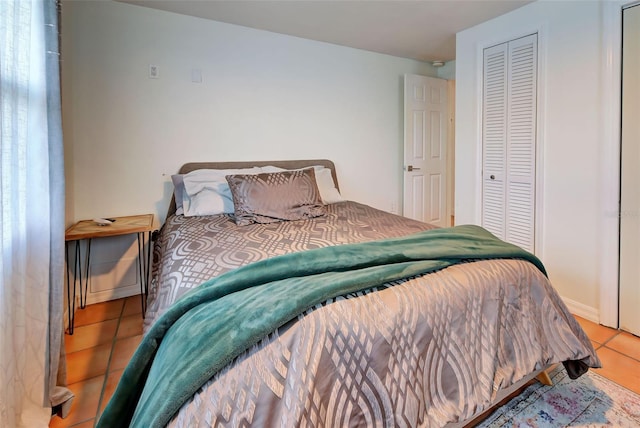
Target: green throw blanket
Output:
{"points": [[211, 325]]}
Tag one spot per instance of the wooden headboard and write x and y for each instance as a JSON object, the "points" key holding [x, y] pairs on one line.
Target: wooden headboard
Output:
{"points": [[286, 164]]}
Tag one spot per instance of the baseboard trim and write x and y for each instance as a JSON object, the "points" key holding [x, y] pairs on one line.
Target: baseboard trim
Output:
{"points": [[582, 310], [113, 294]]}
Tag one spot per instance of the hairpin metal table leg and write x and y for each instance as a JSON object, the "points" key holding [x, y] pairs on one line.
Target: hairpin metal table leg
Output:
{"points": [[77, 280], [148, 262], [142, 269], [69, 309], [87, 269]]}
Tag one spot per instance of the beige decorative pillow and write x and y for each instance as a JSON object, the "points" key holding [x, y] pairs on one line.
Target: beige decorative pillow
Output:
{"points": [[271, 197]]}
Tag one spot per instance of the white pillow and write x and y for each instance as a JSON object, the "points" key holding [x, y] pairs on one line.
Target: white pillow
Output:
{"points": [[271, 169], [328, 192], [327, 187], [206, 191], [178, 190]]}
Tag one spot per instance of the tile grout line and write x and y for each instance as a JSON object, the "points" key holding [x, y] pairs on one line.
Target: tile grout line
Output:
{"points": [[610, 339], [621, 353], [106, 374], [618, 332]]}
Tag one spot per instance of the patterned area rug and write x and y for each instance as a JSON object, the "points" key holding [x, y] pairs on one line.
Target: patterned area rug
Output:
{"points": [[590, 401]]}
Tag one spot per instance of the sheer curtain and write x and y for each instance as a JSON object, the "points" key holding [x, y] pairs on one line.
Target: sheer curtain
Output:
{"points": [[31, 215]]}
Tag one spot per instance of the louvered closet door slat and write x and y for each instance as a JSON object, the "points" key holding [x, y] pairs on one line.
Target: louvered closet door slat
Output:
{"points": [[494, 132], [521, 142]]}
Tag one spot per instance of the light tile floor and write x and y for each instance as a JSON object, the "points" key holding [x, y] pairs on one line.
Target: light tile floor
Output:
{"points": [[107, 334]]}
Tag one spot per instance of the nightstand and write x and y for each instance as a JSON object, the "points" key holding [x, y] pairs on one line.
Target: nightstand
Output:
{"points": [[142, 225]]}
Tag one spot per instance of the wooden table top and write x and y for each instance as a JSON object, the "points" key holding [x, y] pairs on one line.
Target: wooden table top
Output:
{"points": [[85, 229]]}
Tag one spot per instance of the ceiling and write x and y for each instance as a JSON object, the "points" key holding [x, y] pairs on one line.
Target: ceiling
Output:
{"points": [[424, 29]]}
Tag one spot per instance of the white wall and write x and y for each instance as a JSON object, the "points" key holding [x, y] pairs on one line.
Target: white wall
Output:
{"points": [[263, 96], [572, 139], [447, 71]]}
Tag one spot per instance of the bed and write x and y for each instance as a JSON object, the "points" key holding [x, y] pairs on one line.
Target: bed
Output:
{"points": [[343, 315]]}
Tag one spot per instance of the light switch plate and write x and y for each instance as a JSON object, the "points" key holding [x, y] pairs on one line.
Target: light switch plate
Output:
{"points": [[196, 75]]}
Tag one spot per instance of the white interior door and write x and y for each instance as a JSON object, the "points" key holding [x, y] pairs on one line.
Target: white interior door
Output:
{"points": [[425, 149], [630, 185]]}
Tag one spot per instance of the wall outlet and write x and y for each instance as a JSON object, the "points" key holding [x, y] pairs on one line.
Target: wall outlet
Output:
{"points": [[154, 71], [394, 208]]}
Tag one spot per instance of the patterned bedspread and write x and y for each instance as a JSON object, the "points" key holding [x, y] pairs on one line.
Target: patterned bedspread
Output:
{"points": [[191, 250], [418, 352]]}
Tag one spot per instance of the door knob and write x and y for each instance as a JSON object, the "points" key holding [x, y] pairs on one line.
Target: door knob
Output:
{"points": [[411, 168]]}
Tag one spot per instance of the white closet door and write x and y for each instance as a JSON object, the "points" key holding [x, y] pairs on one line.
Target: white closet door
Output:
{"points": [[521, 142], [494, 137], [509, 140], [630, 187]]}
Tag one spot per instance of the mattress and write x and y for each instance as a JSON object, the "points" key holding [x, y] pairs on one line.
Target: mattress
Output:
{"points": [[424, 351]]}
